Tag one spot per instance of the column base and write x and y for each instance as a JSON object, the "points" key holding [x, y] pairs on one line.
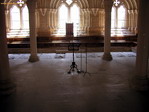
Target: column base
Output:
{"points": [[6, 88], [140, 83], [33, 58], [107, 57]]}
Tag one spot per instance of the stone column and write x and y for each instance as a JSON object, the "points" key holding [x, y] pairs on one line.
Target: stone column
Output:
{"points": [[6, 85], [141, 79], [7, 15], [107, 44], [32, 23]]}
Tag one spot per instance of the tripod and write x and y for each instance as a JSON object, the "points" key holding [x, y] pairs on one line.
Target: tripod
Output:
{"points": [[73, 47]]}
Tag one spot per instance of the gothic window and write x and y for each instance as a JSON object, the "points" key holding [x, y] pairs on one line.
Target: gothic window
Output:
{"points": [[113, 17], [63, 16], [118, 15], [25, 18], [69, 12], [19, 17], [75, 18], [121, 16], [69, 2], [15, 17]]}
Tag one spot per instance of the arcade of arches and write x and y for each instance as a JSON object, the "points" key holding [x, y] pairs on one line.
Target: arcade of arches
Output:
{"points": [[88, 17], [27, 25]]}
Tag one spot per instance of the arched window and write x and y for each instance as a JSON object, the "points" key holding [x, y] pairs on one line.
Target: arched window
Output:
{"points": [[75, 17], [25, 18], [63, 16], [15, 17], [19, 19], [121, 16], [113, 17], [118, 15], [69, 12]]}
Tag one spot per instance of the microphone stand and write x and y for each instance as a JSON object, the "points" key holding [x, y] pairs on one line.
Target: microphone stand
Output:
{"points": [[86, 72], [73, 47]]}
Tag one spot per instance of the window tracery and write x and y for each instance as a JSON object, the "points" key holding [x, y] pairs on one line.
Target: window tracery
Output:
{"points": [[118, 15], [69, 2], [69, 12]]}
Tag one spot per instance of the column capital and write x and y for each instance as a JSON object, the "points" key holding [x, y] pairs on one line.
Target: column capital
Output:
{"points": [[94, 11], [108, 5], [43, 11], [31, 5], [86, 10]]}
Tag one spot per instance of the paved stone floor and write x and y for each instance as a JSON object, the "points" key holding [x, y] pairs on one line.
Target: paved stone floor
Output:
{"points": [[45, 86]]}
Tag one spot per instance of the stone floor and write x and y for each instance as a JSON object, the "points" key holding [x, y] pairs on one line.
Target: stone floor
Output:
{"points": [[45, 86]]}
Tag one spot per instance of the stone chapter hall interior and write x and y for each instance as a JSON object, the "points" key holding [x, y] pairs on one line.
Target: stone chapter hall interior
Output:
{"points": [[74, 55]]}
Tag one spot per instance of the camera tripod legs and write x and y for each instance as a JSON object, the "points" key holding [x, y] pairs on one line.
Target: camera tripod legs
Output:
{"points": [[73, 67]]}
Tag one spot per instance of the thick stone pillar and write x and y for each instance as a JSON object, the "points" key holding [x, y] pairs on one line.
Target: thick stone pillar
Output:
{"points": [[141, 78], [32, 23], [107, 39], [6, 85]]}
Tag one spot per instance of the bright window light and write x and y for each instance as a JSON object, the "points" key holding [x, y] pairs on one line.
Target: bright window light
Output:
{"points": [[113, 17], [25, 18], [121, 17], [15, 18], [75, 17], [63, 16]]}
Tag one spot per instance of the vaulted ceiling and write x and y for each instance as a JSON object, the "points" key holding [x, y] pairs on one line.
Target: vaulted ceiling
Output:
{"points": [[130, 4]]}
